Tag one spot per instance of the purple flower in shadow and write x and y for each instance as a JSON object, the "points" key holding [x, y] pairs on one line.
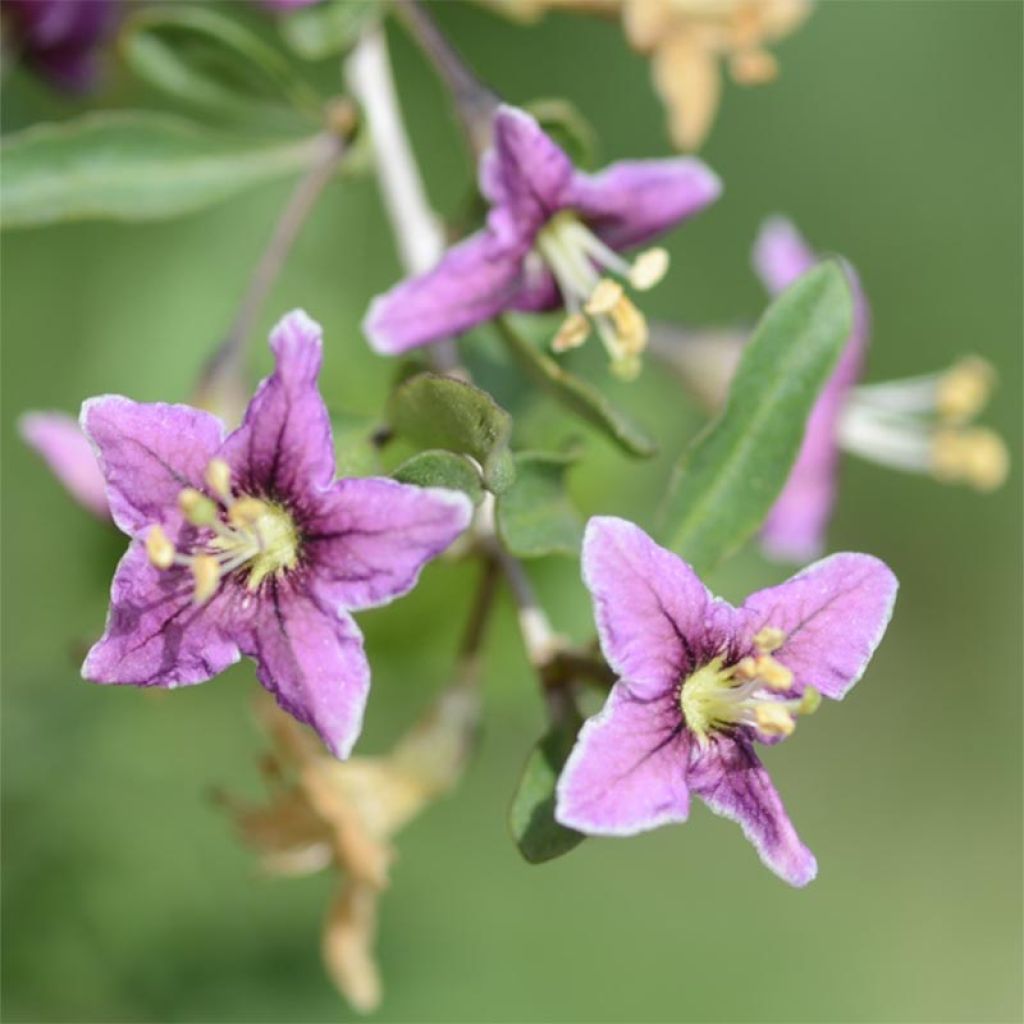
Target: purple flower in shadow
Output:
{"points": [[795, 527], [246, 544], [553, 236], [60, 39], [59, 440], [699, 682]]}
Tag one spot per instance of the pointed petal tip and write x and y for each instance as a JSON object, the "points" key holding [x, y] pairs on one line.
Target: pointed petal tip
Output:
{"points": [[297, 343]]}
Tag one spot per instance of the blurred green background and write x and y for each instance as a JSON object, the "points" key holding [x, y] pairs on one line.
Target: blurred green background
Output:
{"points": [[894, 137]]}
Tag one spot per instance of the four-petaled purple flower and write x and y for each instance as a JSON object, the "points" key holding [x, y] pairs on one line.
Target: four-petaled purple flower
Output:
{"points": [[247, 544], [552, 236], [700, 681], [60, 38]]}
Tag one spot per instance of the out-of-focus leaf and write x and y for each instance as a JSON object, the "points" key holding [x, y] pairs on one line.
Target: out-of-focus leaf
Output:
{"points": [[532, 814], [576, 394], [355, 452], [133, 166], [327, 29], [442, 469], [726, 483], [568, 127], [198, 55], [535, 517], [433, 411]]}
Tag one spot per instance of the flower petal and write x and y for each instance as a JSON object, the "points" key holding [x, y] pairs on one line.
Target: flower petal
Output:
{"points": [[283, 447], [834, 615], [731, 780], [58, 438], [155, 635], [370, 538], [148, 453], [627, 772], [656, 619], [310, 657], [472, 282], [525, 171], [795, 528], [633, 201]]}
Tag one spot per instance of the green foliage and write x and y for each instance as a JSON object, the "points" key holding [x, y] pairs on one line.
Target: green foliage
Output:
{"points": [[327, 29], [726, 483], [213, 62], [575, 394], [563, 121], [442, 469], [532, 814], [535, 517], [355, 452], [433, 411], [133, 166]]}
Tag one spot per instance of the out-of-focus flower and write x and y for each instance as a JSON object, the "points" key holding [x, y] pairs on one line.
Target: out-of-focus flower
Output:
{"points": [[59, 440], [247, 544], [60, 39], [322, 813], [922, 424], [699, 682], [553, 237]]}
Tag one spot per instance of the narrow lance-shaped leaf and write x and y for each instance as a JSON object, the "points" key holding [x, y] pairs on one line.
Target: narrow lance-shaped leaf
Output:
{"points": [[442, 469], [535, 516], [575, 394], [532, 814], [133, 166], [433, 411], [725, 484]]}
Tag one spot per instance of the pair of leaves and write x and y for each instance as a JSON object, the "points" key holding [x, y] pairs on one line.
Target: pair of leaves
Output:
{"points": [[575, 394]]}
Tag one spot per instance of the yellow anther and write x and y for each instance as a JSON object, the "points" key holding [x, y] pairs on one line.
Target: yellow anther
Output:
{"points": [[965, 389], [206, 573], [774, 720], [648, 268], [630, 327], [218, 476], [573, 332], [746, 668], [977, 457], [769, 639], [775, 675], [159, 549], [604, 298], [196, 507], [809, 702], [246, 512]]}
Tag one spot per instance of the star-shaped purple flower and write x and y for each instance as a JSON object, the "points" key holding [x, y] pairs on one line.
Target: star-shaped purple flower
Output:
{"points": [[61, 38], [795, 527], [553, 237], [246, 544], [699, 682]]}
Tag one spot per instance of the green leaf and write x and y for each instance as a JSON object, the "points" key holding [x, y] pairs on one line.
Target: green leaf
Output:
{"points": [[433, 411], [576, 394], [327, 29], [133, 166], [355, 452], [535, 517], [532, 814], [198, 55], [568, 127], [725, 485], [442, 469]]}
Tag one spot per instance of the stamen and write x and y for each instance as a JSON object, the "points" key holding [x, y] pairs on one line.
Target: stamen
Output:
{"points": [[774, 720], [769, 639], [159, 549], [246, 513], [977, 457], [630, 325], [218, 477], [197, 508], [604, 298], [206, 571], [965, 389], [649, 268], [574, 332]]}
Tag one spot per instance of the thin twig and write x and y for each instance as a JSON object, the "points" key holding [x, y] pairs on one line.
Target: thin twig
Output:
{"points": [[223, 374]]}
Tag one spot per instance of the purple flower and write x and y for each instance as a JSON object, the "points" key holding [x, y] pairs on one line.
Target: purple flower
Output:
{"points": [[60, 38], [60, 441], [699, 682], [552, 236], [246, 544], [795, 527]]}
